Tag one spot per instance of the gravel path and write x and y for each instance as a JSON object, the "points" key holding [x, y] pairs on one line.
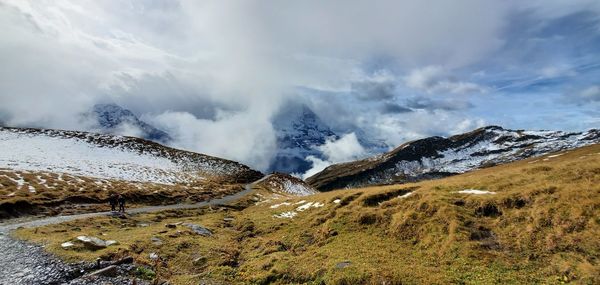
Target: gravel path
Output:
{"points": [[25, 263]]}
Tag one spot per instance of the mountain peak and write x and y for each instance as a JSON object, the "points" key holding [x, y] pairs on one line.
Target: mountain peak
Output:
{"points": [[112, 118]]}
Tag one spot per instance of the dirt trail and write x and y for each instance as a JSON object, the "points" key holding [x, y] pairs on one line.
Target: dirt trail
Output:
{"points": [[25, 263]]}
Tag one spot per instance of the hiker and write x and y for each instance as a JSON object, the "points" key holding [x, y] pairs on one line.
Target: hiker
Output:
{"points": [[112, 200], [121, 201]]}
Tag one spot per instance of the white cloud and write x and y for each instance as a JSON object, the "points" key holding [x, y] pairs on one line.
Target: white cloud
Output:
{"points": [[436, 79], [590, 94], [221, 68], [344, 149]]}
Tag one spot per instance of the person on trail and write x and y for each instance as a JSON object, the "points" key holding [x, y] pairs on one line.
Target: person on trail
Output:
{"points": [[112, 200], [121, 201]]}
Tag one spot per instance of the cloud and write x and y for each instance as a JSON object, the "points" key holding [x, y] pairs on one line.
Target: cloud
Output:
{"points": [[346, 148], [211, 71], [379, 87], [393, 108], [426, 103], [587, 95], [435, 79]]}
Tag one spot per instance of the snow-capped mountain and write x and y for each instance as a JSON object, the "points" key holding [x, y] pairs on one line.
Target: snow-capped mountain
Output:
{"points": [[114, 119], [299, 131], [438, 157], [299, 134], [112, 157]]}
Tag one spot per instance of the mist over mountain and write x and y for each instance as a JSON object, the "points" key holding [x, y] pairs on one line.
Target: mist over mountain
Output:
{"points": [[113, 119]]}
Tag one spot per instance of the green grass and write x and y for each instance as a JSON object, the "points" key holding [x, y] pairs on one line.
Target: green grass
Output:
{"points": [[542, 226]]}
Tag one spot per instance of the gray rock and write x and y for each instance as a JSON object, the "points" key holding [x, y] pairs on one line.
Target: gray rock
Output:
{"points": [[156, 241], [343, 264], [200, 230]]}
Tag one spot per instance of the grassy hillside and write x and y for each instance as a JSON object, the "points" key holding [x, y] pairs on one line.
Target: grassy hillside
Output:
{"points": [[50, 193], [540, 224]]}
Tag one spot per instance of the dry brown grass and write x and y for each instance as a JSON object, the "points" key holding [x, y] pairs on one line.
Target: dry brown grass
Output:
{"points": [[541, 226], [58, 193]]}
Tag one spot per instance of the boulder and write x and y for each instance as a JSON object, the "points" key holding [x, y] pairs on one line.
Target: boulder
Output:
{"points": [[67, 245], [92, 243]]}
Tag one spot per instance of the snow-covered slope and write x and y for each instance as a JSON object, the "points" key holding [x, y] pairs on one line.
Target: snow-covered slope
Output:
{"points": [[285, 184], [437, 157], [111, 157]]}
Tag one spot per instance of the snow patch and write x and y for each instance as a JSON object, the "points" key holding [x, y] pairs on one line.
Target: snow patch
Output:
{"points": [[475, 192], [286, 215], [304, 207], [279, 205]]}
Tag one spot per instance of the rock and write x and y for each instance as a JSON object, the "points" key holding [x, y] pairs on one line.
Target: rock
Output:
{"points": [[156, 241], [92, 243], [153, 256], [67, 245], [176, 234], [200, 230], [173, 225], [124, 260], [228, 219], [111, 242], [109, 271], [343, 264]]}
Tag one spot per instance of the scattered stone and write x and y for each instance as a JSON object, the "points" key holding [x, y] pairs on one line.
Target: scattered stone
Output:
{"points": [[343, 264], [67, 245], [156, 241], [153, 256], [110, 271], [200, 230], [111, 242]]}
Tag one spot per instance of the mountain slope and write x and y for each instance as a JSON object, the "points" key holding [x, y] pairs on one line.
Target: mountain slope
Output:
{"points": [[534, 221], [436, 157], [46, 168]]}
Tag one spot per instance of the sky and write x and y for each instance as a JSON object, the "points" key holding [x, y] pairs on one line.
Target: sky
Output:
{"points": [[213, 73]]}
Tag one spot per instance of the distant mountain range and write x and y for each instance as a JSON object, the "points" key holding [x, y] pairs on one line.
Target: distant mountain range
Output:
{"points": [[113, 119], [298, 129], [436, 157]]}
